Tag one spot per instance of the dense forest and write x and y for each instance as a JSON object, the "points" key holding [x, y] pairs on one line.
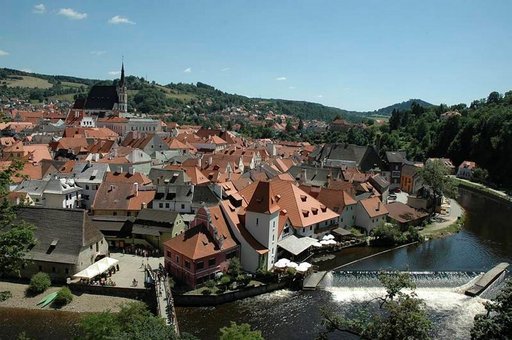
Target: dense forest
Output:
{"points": [[481, 132]]}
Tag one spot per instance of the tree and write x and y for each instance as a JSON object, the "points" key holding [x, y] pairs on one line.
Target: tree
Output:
{"points": [[16, 236], [133, 322], [39, 283], [480, 175], [400, 315], [435, 175], [497, 322], [235, 267], [301, 125], [239, 332]]}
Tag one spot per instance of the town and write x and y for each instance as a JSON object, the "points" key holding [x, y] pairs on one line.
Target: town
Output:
{"points": [[123, 200]]}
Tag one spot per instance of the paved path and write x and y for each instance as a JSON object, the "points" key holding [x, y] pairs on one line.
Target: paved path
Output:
{"points": [[443, 221], [470, 183], [131, 267]]}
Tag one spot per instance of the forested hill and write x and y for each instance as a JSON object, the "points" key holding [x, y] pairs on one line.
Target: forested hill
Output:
{"points": [[149, 97], [481, 132], [403, 106]]}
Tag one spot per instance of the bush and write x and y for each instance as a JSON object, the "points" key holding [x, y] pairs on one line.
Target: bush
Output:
{"points": [[210, 284], [225, 280], [291, 271], [64, 296], [5, 295], [39, 283], [207, 291]]}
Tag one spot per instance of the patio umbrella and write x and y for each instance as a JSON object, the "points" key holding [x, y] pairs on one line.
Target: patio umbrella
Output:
{"points": [[330, 237], [316, 244], [292, 265], [324, 242], [279, 265]]}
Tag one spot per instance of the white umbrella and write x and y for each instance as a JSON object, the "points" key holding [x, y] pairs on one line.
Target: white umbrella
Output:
{"points": [[332, 242], [324, 242], [305, 264], [279, 265], [330, 237], [284, 262], [325, 238], [292, 265], [316, 244]]}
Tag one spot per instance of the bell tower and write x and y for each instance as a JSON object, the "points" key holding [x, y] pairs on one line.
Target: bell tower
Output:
{"points": [[121, 92]]}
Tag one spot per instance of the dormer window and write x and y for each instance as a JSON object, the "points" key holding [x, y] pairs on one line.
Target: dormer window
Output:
{"points": [[305, 213], [303, 198]]}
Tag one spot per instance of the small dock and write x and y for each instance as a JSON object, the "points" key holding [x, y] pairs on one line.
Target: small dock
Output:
{"points": [[487, 279], [312, 281]]}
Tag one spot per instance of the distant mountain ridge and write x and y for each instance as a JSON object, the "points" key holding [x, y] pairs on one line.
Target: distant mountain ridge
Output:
{"points": [[403, 106], [36, 86]]}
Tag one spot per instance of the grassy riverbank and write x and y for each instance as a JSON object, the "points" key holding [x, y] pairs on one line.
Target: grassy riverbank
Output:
{"points": [[431, 231], [83, 303], [480, 188]]}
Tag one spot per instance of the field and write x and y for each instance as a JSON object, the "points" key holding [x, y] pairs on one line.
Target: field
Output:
{"points": [[27, 81]]}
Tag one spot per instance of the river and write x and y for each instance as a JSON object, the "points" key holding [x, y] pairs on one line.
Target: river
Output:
{"points": [[440, 266], [446, 263]]}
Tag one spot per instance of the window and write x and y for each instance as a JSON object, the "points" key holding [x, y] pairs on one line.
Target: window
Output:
{"points": [[160, 205], [187, 264], [53, 270], [183, 206], [257, 220], [86, 187], [177, 258], [200, 265], [40, 268], [167, 205], [211, 262], [67, 270]]}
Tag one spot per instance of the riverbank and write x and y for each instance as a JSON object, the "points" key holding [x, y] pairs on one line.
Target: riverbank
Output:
{"points": [[482, 189], [82, 303], [445, 225]]}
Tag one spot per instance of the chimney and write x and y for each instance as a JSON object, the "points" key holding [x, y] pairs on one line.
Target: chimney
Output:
{"points": [[378, 206], [210, 161], [143, 205], [199, 161], [135, 189]]}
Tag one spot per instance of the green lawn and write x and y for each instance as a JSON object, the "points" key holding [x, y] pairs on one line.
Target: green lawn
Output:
{"points": [[30, 82]]}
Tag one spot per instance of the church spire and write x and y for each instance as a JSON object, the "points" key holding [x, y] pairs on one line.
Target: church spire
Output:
{"points": [[121, 81]]}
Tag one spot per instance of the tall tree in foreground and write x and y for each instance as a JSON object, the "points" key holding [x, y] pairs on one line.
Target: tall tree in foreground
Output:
{"points": [[497, 322], [435, 175], [16, 237], [239, 332], [399, 315]]}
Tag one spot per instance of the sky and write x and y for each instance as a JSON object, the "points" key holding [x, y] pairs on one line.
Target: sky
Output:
{"points": [[353, 54]]}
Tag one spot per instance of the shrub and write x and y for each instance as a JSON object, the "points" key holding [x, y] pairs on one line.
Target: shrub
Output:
{"points": [[64, 296], [225, 280], [39, 283], [291, 271], [210, 284], [5, 295], [207, 291]]}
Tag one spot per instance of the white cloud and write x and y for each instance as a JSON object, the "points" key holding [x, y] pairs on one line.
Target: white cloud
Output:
{"points": [[26, 70], [281, 78], [187, 70], [320, 96], [225, 69], [3, 53], [120, 20], [98, 53], [72, 14], [291, 87], [39, 9], [114, 73]]}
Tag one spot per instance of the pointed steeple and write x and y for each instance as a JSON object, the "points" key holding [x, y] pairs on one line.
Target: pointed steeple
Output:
{"points": [[121, 81]]}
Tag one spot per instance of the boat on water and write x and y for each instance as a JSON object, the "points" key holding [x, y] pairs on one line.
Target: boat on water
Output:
{"points": [[47, 300]]}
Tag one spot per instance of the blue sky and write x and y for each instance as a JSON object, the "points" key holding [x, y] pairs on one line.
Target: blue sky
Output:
{"points": [[356, 55]]}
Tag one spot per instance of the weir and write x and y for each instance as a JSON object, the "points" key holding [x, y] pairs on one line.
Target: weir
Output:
{"points": [[487, 279]]}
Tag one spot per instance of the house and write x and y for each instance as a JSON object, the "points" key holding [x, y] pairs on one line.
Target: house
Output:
{"points": [[89, 177], [395, 161], [465, 170], [58, 193], [121, 199], [337, 155], [66, 242], [370, 213], [203, 250], [410, 179], [403, 215], [150, 143], [174, 190]]}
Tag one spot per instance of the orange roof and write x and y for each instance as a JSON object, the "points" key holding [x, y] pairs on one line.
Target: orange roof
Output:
{"points": [[175, 144], [374, 207], [193, 172], [197, 242], [263, 199], [121, 196], [125, 177], [302, 209]]}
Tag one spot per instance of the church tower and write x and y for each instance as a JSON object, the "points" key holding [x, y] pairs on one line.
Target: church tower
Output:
{"points": [[121, 92]]}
